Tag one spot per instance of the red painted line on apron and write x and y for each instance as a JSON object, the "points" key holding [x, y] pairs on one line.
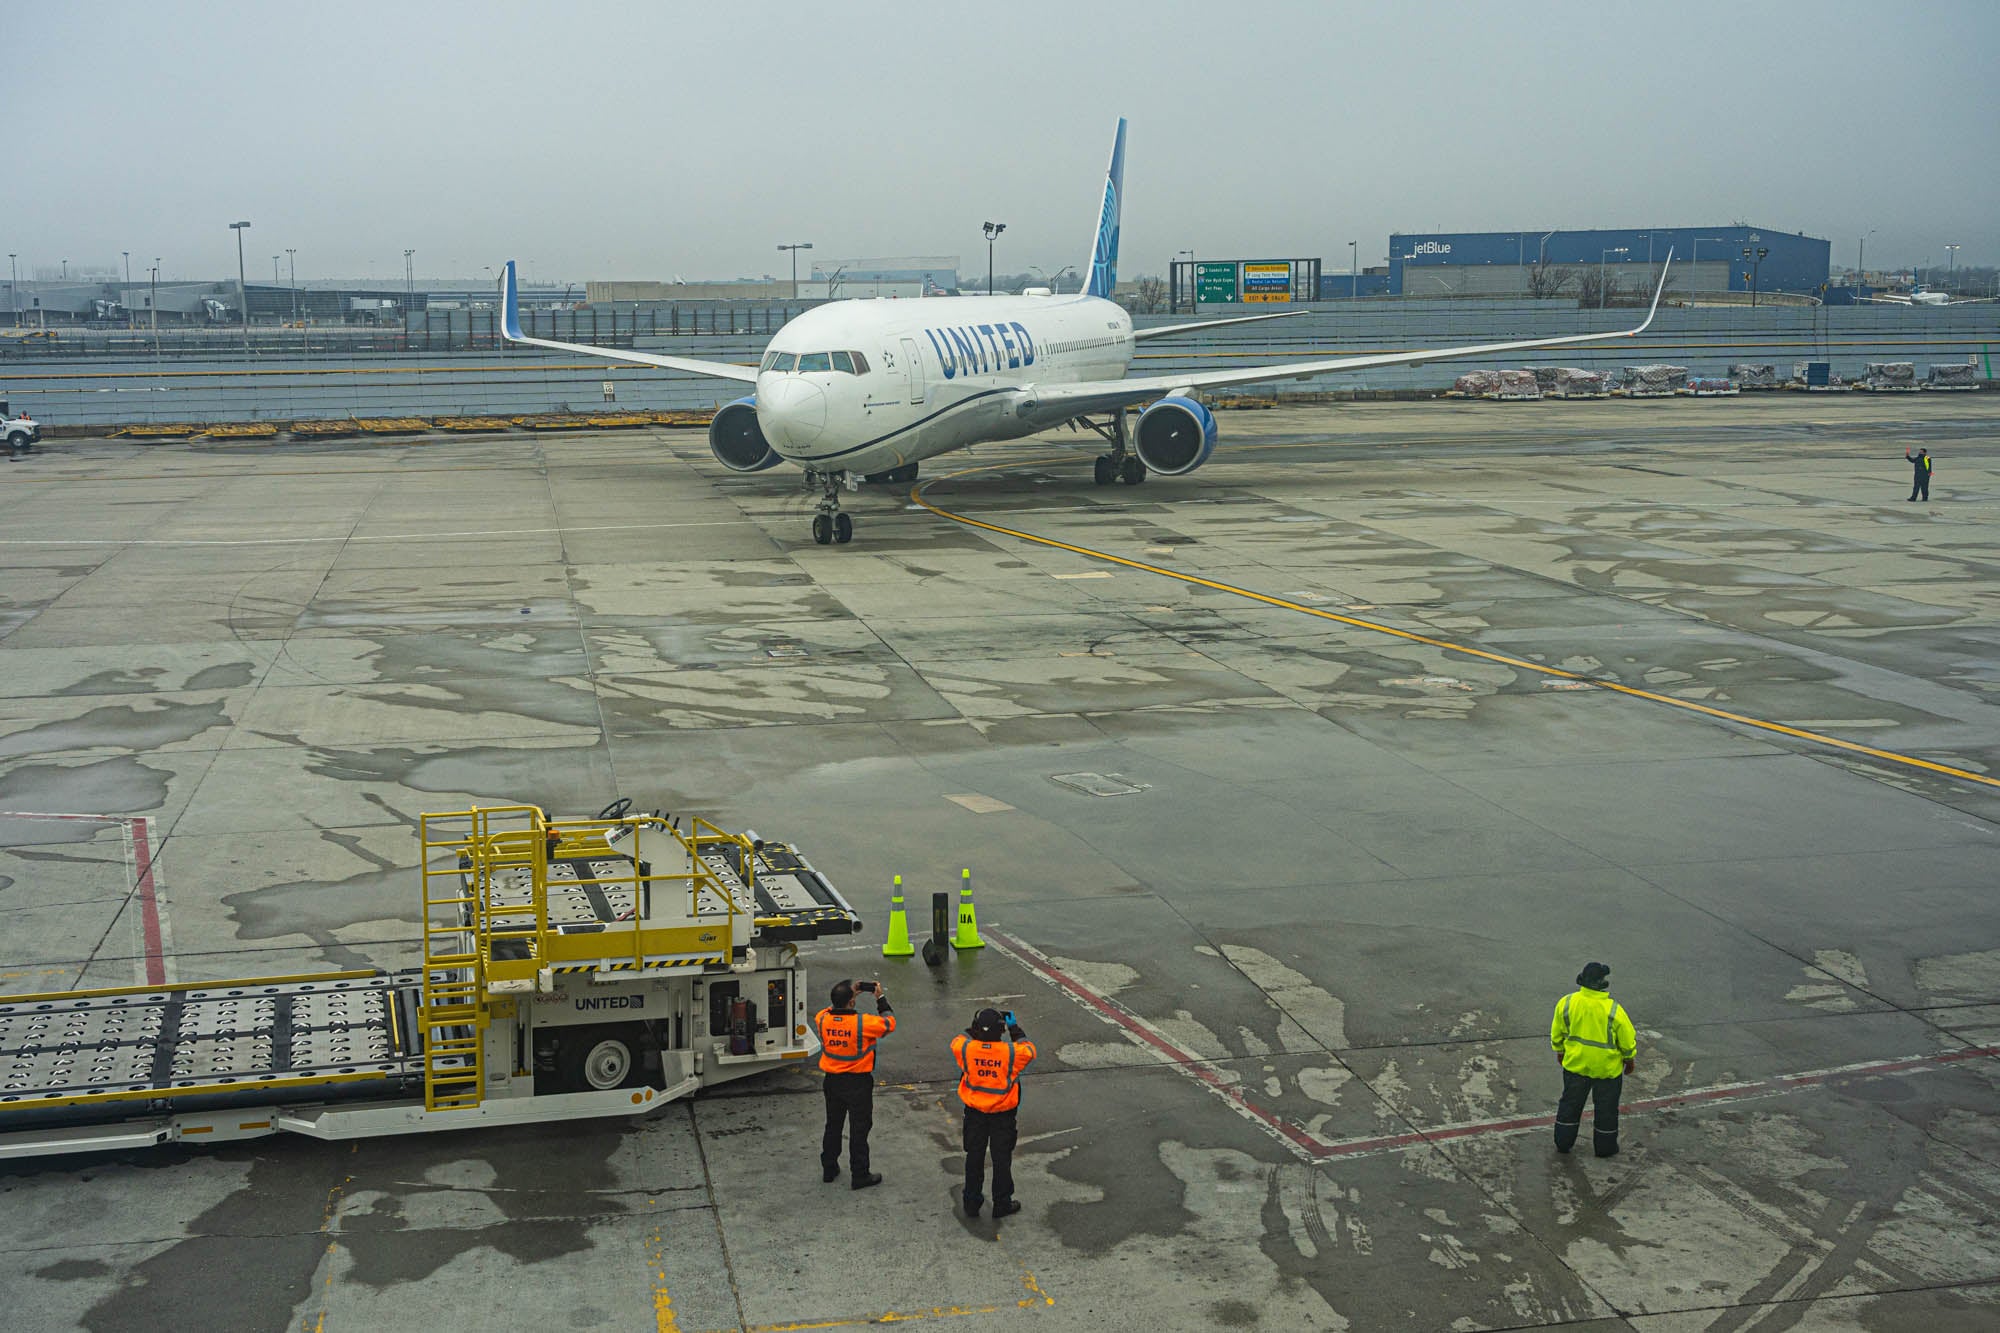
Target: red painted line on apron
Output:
{"points": [[149, 903], [143, 884], [1182, 1060], [1314, 1148]]}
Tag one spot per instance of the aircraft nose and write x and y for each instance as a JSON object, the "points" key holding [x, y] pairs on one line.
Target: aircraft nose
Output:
{"points": [[792, 412]]}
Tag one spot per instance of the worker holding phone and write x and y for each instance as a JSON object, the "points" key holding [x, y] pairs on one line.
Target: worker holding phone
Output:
{"points": [[847, 1058], [991, 1055]]}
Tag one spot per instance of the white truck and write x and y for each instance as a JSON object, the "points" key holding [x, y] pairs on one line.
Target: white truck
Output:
{"points": [[572, 969], [19, 433]]}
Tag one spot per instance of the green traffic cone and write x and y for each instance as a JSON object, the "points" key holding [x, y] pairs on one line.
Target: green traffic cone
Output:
{"points": [[899, 926], [967, 934]]}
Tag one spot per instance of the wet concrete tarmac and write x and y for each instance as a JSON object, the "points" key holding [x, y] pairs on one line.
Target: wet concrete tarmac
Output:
{"points": [[1291, 984]]}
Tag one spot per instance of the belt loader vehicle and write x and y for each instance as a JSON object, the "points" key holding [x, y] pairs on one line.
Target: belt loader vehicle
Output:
{"points": [[571, 968]]}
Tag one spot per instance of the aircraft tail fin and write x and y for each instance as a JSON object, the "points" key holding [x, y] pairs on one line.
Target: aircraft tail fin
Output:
{"points": [[510, 305], [1101, 274]]}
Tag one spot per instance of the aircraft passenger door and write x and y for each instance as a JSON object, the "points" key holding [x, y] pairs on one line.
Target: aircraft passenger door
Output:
{"points": [[914, 362]]}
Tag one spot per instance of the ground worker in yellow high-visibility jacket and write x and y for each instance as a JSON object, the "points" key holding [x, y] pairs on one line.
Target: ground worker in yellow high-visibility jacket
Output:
{"points": [[991, 1055], [1595, 1045]]}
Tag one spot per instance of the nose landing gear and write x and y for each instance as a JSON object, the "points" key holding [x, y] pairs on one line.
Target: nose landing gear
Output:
{"points": [[830, 526]]}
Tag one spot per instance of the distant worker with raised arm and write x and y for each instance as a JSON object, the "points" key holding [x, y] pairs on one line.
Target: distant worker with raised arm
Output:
{"points": [[991, 1054], [847, 1058], [1595, 1045], [1920, 472]]}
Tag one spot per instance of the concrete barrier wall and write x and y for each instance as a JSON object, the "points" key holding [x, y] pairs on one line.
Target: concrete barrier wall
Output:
{"points": [[104, 391]]}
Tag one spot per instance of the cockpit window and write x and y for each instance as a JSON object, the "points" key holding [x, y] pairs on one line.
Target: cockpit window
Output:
{"points": [[860, 363], [781, 361], [844, 362], [815, 361]]}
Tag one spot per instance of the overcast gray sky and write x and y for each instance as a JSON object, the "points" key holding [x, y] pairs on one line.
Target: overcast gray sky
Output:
{"points": [[647, 140]]}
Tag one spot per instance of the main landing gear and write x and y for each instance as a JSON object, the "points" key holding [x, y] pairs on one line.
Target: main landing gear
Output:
{"points": [[830, 526], [1120, 464]]}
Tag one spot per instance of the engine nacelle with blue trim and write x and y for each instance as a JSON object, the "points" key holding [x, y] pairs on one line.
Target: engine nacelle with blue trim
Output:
{"points": [[737, 441], [1174, 436]]}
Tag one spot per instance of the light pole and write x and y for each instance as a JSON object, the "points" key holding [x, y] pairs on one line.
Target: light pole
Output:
{"points": [[1618, 250], [1755, 254], [1951, 268], [993, 229], [409, 284], [1194, 287], [1353, 269], [275, 279], [242, 295], [14, 286], [1054, 280], [153, 304], [65, 270], [802, 245], [292, 261], [1542, 264], [1860, 262], [126, 299]]}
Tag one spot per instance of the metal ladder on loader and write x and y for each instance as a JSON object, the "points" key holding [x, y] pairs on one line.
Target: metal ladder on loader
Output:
{"points": [[457, 927]]}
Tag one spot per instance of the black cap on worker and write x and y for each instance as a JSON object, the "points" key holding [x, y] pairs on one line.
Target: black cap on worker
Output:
{"points": [[987, 1024], [1593, 975], [842, 994]]}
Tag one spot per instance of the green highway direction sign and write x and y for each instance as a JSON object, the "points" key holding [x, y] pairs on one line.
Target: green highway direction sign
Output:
{"points": [[1215, 283]]}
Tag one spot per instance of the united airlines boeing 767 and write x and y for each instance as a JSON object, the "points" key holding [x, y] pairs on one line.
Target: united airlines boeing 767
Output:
{"points": [[871, 387]]}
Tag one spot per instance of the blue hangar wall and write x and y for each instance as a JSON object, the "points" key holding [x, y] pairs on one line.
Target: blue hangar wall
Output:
{"points": [[1418, 261]]}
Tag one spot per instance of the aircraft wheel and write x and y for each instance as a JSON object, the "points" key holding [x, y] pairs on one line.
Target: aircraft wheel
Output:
{"points": [[822, 529], [1102, 473], [843, 529], [1132, 471]]}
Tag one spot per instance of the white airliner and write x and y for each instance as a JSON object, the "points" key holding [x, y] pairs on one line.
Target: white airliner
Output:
{"points": [[1921, 295], [871, 387]]}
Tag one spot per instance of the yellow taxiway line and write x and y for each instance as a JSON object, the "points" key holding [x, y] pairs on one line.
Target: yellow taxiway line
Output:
{"points": [[1797, 733]]}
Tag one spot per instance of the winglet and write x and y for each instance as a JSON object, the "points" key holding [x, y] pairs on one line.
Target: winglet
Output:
{"points": [[1102, 271], [1658, 291], [510, 306]]}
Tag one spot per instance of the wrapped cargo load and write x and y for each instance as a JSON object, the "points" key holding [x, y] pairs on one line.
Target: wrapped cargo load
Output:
{"points": [[1750, 376], [1708, 387], [1654, 381], [1476, 383], [1574, 383], [1890, 377], [1517, 386], [1545, 377], [1953, 375]]}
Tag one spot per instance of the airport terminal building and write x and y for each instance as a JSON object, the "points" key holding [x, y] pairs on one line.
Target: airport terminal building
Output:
{"points": [[1513, 263]]}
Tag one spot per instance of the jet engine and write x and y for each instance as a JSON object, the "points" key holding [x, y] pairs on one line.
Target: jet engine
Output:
{"points": [[737, 441], [1174, 436]]}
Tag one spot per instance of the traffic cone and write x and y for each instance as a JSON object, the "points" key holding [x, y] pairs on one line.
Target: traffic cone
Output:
{"points": [[899, 926], [967, 934]]}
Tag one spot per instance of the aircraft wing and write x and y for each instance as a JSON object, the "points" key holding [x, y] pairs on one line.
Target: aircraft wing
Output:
{"points": [[1167, 330], [1061, 402], [510, 329], [1886, 300]]}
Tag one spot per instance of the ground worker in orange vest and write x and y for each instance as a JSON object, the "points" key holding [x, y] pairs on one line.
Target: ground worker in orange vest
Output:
{"points": [[991, 1055], [847, 1056], [1595, 1045]]}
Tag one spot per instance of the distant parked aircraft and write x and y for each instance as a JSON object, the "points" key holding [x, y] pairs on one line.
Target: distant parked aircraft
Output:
{"points": [[1922, 295]]}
